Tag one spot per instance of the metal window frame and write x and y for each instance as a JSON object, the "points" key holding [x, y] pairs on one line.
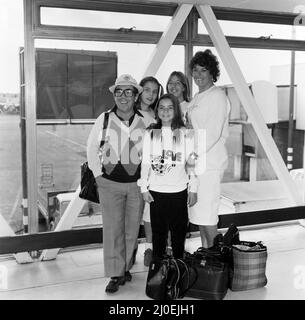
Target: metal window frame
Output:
{"points": [[43, 31], [103, 34]]}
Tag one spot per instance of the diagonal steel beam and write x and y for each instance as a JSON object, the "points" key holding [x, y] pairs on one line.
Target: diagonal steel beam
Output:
{"points": [[254, 114], [66, 222], [167, 39]]}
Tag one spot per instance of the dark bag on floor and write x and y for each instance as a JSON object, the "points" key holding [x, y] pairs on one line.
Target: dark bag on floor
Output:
{"points": [[212, 272], [249, 270], [88, 184], [168, 279], [223, 244]]}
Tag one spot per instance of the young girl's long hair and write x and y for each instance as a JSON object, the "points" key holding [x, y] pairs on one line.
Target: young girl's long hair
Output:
{"points": [[183, 79], [160, 91], [177, 121]]}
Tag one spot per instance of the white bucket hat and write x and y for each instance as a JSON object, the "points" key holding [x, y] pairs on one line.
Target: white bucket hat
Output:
{"points": [[126, 79]]}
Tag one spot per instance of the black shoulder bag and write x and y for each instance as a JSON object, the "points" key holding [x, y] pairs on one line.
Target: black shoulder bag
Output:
{"points": [[88, 183]]}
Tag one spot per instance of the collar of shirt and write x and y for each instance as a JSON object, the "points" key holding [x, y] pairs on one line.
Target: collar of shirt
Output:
{"points": [[129, 121]]}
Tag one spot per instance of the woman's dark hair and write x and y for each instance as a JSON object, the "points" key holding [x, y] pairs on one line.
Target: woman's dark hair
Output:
{"points": [[160, 91], [183, 79], [177, 122], [208, 60]]}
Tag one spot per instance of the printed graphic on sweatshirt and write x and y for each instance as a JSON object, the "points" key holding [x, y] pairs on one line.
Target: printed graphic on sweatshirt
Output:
{"points": [[164, 163]]}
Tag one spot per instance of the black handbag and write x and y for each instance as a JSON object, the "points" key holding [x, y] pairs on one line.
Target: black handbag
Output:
{"points": [[168, 279], [212, 273], [88, 184], [156, 279]]}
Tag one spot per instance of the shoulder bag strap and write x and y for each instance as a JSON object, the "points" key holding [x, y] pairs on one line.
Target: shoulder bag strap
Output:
{"points": [[105, 125], [187, 267]]}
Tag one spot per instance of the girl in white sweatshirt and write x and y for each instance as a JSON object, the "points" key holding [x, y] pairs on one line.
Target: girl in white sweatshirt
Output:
{"points": [[168, 149]]}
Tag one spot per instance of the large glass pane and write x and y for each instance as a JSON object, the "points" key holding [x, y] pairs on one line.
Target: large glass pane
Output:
{"points": [[268, 78], [61, 147], [132, 58], [11, 37], [10, 161], [74, 84], [100, 19], [257, 30]]}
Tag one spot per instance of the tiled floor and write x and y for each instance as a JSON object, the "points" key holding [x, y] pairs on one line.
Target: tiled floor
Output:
{"points": [[79, 274]]}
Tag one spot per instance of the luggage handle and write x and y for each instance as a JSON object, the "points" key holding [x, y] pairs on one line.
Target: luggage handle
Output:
{"points": [[189, 286]]}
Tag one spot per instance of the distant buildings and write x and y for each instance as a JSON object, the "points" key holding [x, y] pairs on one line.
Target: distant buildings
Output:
{"points": [[9, 102]]}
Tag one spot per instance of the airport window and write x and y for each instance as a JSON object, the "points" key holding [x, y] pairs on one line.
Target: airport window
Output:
{"points": [[257, 30], [100, 19], [268, 77], [74, 84], [132, 58], [61, 138], [271, 69], [61, 146]]}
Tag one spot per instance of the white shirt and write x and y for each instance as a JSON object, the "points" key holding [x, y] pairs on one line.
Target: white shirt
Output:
{"points": [[163, 162]]}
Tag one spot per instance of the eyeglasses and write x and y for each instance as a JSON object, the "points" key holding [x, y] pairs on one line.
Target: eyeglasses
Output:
{"points": [[127, 92]]}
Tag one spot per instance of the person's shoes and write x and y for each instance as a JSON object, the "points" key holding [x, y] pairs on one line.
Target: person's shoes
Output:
{"points": [[148, 257], [128, 276], [114, 284]]}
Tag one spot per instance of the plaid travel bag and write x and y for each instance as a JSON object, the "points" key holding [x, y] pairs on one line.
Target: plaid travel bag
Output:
{"points": [[249, 266]]}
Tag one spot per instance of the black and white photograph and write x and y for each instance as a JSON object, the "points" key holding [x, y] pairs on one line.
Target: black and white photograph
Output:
{"points": [[152, 153]]}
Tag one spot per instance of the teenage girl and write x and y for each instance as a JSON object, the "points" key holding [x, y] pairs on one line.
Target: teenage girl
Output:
{"points": [[178, 85], [152, 90], [147, 101], [164, 182]]}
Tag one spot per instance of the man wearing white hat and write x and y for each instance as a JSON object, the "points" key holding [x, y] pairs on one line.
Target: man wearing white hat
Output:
{"points": [[114, 156]]}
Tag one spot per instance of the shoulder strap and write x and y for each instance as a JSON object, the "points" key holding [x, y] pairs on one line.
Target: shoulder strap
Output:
{"points": [[186, 274], [105, 125], [151, 141]]}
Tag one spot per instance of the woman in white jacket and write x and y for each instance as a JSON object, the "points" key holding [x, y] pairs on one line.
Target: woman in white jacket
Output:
{"points": [[165, 183], [208, 113]]}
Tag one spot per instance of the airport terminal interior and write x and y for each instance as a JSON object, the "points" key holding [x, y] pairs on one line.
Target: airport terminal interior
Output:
{"points": [[71, 52]]}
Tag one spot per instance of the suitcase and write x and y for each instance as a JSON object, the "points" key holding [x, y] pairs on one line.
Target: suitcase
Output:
{"points": [[212, 276]]}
